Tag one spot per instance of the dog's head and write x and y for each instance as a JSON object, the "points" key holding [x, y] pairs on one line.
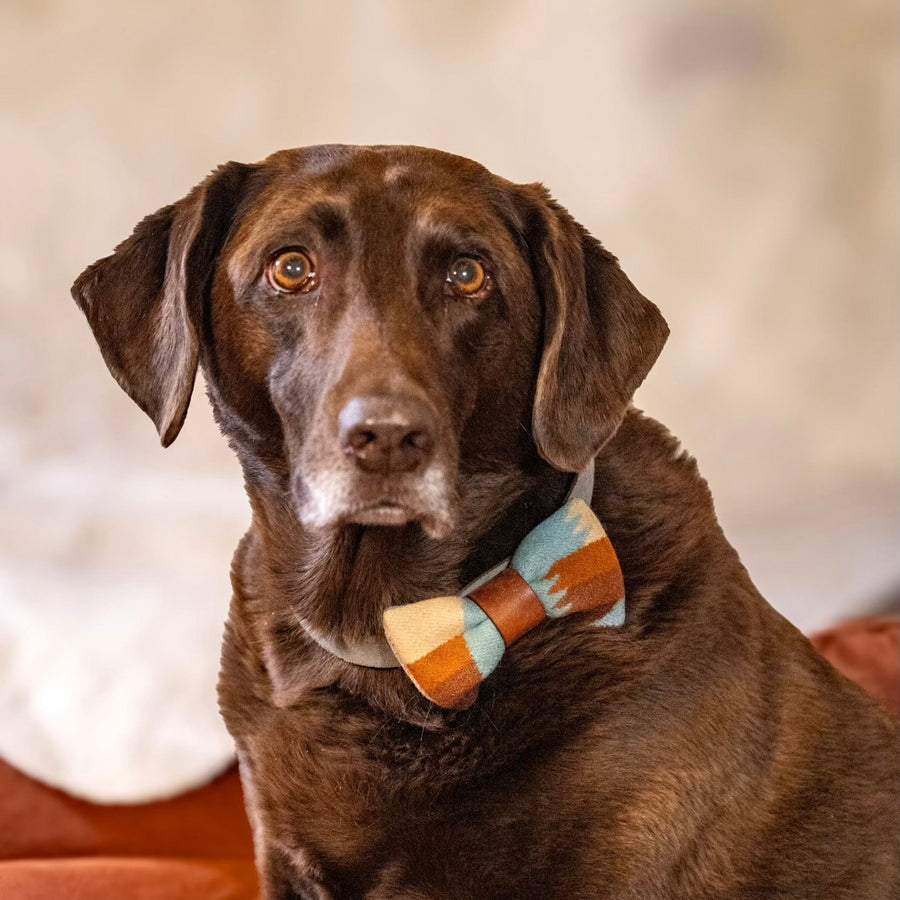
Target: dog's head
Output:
{"points": [[372, 322]]}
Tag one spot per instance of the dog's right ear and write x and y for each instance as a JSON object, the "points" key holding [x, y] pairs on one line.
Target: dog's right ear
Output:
{"points": [[142, 302]]}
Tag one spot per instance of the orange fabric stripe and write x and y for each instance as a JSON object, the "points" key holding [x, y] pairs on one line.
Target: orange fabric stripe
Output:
{"points": [[446, 670], [584, 564], [460, 690], [604, 590]]}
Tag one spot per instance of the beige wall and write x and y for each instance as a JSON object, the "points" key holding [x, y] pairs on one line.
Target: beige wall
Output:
{"points": [[740, 159]]}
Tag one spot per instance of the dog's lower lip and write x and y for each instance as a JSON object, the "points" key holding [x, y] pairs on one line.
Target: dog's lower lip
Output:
{"points": [[384, 513]]}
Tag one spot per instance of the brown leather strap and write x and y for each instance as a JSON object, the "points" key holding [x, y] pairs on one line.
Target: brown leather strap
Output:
{"points": [[510, 603]]}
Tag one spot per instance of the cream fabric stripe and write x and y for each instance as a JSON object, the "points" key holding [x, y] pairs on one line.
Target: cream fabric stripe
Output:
{"points": [[416, 629], [588, 527]]}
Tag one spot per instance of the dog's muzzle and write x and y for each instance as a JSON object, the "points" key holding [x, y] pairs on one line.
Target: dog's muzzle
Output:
{"points": [[390, 469]]}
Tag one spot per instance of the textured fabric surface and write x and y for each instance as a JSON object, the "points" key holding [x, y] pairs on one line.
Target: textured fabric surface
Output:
{"points": [[53, 845], [198, 845], [868, 652], [134, 879], [449, 645]]}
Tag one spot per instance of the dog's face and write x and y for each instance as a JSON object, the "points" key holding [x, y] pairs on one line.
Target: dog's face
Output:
{"points": [[386, 301], [374, 324]]}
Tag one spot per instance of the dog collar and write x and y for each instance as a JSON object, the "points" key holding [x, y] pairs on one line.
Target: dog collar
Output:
{"points": [[382, 653]]}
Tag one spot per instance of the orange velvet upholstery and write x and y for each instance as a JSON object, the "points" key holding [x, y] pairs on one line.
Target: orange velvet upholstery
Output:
{"points": [[198, 845], [53, 846], [867, 651]]}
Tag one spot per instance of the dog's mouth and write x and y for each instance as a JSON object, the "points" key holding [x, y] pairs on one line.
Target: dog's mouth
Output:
{"points": [[436, 522], [429, 501], [384, 512]]}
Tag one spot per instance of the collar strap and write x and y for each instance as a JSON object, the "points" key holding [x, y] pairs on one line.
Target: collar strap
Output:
{"points": [[376, 653]]}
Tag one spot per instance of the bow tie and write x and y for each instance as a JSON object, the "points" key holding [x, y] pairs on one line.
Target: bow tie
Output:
{"points": [[449, 645]]}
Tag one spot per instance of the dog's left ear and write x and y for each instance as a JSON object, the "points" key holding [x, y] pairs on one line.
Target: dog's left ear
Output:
{"points": [[143, 301], [601, 335]]}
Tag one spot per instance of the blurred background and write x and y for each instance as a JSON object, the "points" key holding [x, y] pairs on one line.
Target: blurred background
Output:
{"points": [[740, 159]]}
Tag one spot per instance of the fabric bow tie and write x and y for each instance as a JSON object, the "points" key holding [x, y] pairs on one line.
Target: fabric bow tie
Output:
{"points": [[449, 645]]}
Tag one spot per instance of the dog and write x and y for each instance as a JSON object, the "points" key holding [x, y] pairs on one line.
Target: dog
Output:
{"points": [[411, 358]]}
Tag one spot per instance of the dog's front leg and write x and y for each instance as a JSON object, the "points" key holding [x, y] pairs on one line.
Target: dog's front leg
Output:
{"points": [[280, 877]]}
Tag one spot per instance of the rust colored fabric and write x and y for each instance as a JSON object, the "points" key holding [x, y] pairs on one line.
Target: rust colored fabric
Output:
{"points": [[510, 603], [98, 878], [194, 846], [198, 846], [867, 651]]}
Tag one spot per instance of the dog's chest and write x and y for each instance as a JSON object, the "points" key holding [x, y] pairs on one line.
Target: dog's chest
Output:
{"points": [[373, 808]]}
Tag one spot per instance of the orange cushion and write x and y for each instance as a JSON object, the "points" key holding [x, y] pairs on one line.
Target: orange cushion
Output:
{"points": [[194, 846], [867, 651], [95, 877]]}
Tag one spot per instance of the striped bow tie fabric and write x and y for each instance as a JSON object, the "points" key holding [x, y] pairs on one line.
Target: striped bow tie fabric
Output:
{"points": [[449, 645]]}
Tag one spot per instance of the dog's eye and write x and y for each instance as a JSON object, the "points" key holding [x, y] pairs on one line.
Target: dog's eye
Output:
{"points": [[466, 275], [291, 271]]}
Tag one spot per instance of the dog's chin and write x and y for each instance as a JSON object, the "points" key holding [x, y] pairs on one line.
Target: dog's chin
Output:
{"points": [[333, 506], [385, 513], [394, 515]]}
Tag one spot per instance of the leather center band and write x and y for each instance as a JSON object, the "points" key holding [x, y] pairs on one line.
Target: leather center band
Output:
{"points": [[510, 603]]}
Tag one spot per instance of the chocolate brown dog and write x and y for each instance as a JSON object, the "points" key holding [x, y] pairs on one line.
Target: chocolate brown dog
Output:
{"points": [[410, 356]]}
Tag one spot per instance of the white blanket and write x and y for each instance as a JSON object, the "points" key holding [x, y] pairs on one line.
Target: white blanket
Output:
{"points": [[109, 644]]}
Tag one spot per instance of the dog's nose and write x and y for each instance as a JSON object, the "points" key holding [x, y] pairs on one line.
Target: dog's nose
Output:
{"points": [[388, 435]]}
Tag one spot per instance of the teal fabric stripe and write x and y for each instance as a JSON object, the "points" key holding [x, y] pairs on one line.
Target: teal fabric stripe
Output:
{"points": [[554, 538], [484, 641], [615, 617]]}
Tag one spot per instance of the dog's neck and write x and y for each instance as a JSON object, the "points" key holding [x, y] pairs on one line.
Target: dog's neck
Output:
{"points": [[339, 582], [375, 651]]}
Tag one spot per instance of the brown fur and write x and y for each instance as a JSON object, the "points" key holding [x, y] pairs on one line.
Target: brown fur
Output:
{"points": [[703, 750]]}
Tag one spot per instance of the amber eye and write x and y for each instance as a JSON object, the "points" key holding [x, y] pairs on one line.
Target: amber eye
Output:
{"points": [[291, 271], [467, 275]]}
